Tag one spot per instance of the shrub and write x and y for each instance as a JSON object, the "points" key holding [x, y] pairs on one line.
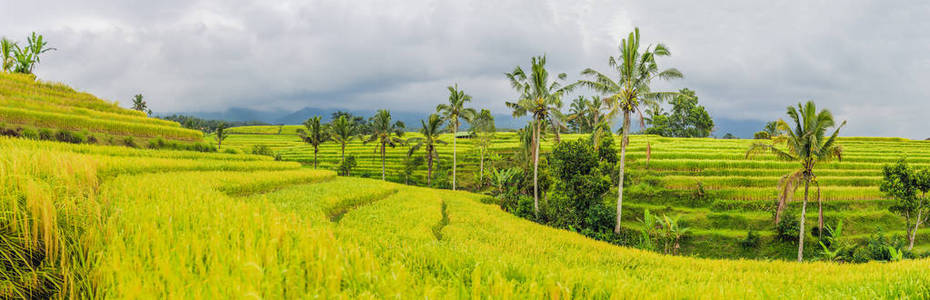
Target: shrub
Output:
{"points": [[787, 229], [69, 137], [751, 241], [231, 151], [157, 143], [578, 184], [345, 167], [262, 150], [46, 134], [31, 134], [130, 142]]}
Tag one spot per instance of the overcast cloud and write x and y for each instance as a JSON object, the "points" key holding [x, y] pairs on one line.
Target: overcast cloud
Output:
{"points": [[868, 61]]}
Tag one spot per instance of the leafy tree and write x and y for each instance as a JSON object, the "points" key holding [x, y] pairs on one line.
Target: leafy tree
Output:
{"points": [[348, 163], [729, 136], [805, 144], [637, 69], [7, 47], [343, 131], [315, 135], [358, 121], [207, 126], [431, 131], [452, 113], [761, 135], [385, 133], [908, 187], [411, 163], [139, 104], [221, 135], [482, 126], [579, 184], [541, 99], [686, 120]]}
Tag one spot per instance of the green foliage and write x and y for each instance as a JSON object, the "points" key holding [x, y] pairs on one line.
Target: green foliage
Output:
{"points": [[578, 185], [347, 164], [787, 229], [752, 241], [23, 59], [207, 126], [262, 150], [688, 119], [908, 187], [139, 104], [761, 135]]}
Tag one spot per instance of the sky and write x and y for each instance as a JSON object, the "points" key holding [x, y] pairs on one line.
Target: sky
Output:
{"points": [[866, 61]]}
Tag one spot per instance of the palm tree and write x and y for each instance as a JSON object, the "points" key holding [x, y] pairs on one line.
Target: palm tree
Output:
{"points": [[578, 115], [806, 145], [343, 131], [221, 135], [540, 98], [483, 128], [452, 112], [636, 71], [139, 104], [315, 135], [385, 133], [431, 131], [6, 54]]}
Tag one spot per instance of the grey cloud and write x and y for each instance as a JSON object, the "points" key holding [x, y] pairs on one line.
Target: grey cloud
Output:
{"points": [[866, 60]]}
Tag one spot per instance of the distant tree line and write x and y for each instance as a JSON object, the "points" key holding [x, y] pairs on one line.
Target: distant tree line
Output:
{"points": [[208, 126]]}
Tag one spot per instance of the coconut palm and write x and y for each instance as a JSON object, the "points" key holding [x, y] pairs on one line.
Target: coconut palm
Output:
{"points": [[430, 130], [806, 145], [139, 104], [578, 115], [385, 133], [343, 131], [541, 99], [452, 113], [315, 135], [6, 54], [636, 69]]}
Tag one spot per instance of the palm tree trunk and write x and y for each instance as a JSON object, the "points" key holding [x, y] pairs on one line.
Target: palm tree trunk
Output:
{"points": [[315, 151], [455, 131], [536, 171], [429, 169], [623, 143], [803, 215], [382, 162]]}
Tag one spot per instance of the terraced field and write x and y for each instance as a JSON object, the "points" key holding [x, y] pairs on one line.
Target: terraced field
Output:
{"points": [[26, 103], [235, 226], [718, 191]]}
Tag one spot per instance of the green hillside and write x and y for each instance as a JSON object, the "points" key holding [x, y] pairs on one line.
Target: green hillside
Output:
{"points": [[737, 194]]}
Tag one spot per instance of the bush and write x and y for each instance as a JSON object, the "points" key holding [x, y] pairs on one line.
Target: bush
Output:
{"points": [[751, 241], [787, 229], [231, 151], [157, 143], [46, 134], [130, 142], [578, 185], [262, 150], [346, 166], [66, 136], [31, 134]]}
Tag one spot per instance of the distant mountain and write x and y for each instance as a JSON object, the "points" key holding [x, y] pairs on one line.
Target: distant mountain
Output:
{"points": [[739, 128], [411, 119]]}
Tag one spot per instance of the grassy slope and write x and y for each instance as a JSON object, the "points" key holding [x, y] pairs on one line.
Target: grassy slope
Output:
{"points": [[30, 104], [738, 191]]}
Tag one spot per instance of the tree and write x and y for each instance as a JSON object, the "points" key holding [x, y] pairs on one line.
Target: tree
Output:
{"points": [[315, 135], [903, 183], [636, 69], [221, 135], [411, 163], [358, 121], [807, 146], [541, 99], [578, 115], [729, 136], [686, 120], [430, 139], [6, 54], [452, 113], [483, 128], [343, 131], [579, 184], [139, 104], [25, 59], [385, 133]]}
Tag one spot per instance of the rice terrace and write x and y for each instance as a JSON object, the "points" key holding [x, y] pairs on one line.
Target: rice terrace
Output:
{"points": [[433, 150]]}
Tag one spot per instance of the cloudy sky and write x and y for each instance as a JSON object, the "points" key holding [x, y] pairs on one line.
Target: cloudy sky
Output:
{"points": [[868, 61]]}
